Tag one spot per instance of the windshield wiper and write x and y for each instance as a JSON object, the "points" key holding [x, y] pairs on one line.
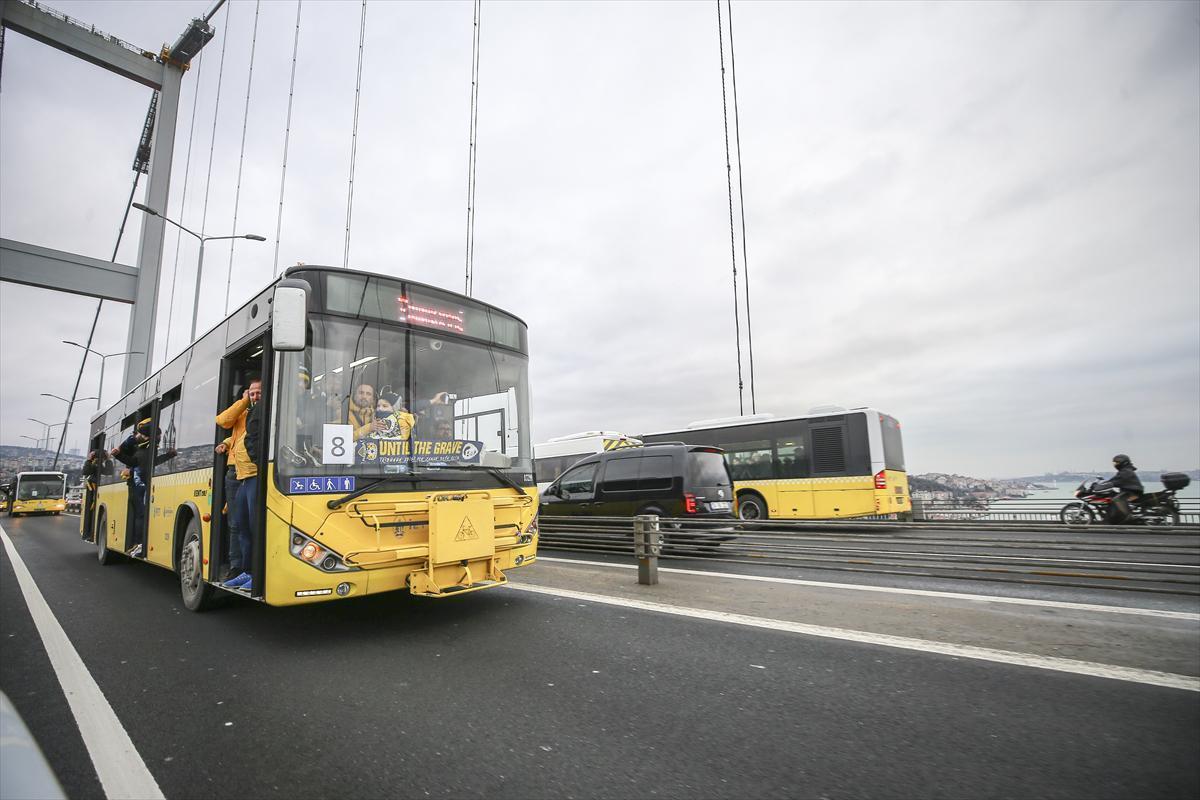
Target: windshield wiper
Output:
{"points": [[497, 474], [335, 504]]}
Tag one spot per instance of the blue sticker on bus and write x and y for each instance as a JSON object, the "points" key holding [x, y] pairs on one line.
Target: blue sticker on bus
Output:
{"points": [[321, 485]]}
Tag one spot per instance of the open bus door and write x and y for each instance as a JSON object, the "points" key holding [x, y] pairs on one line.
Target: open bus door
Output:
{"points": [[237, 368], [91, 488]]}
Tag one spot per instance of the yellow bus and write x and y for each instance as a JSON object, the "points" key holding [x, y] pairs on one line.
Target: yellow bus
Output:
{"points": [[830, 463], [434, 494], [38, 493]]}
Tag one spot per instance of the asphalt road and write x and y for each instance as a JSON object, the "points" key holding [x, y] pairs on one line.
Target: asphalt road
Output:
{"points": [[514, 694]]}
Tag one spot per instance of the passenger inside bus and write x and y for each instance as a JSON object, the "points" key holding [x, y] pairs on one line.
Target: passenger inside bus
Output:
{"points": [[361, 412], [398, 421]]}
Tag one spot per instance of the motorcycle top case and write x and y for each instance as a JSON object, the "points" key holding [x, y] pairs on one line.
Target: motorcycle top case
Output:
{"points": [[1175, 480]]}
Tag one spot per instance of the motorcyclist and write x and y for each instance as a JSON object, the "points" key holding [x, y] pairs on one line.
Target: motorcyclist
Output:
{"points": [[1127, 485]]}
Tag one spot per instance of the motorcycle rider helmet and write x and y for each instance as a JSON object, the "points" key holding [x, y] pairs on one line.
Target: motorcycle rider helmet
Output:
{"points": [[1120, 461]]}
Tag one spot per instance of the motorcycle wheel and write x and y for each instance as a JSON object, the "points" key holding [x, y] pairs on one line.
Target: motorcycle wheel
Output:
{"points": [[1077, 515], [1163, 518]]}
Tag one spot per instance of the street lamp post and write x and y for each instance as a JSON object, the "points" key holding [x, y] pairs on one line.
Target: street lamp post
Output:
{"points": [[103, 364], [65, 424], [254, 237]]}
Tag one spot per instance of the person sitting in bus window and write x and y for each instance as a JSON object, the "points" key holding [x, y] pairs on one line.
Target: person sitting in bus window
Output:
{"points": [[361, 412], [398, 421]]}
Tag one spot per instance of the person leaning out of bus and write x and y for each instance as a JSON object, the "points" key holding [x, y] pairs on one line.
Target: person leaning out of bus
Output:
{"points": [[92, 469], [361, 412], [235, 419], [232, 484], [137, 454], [1128, 486]]}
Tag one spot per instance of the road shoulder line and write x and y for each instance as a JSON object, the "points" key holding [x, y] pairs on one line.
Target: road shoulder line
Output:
{"points": [[1130, 674], [119, 766], [986, 598]]}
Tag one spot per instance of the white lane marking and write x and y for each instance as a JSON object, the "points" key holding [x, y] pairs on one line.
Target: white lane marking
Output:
{"points": [[1131, 674], [120, 767], [986, 598]]}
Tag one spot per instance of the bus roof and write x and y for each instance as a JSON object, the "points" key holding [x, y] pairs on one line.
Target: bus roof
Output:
{"points": [[756, 419]]}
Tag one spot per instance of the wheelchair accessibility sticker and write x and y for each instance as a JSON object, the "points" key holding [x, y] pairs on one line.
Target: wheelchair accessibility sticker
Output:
{"points": [[322, 485]]}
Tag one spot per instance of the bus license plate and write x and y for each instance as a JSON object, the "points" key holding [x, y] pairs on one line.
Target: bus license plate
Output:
{"points": [[720, 505]]}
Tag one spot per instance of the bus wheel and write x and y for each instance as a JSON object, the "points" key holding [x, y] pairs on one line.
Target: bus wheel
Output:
{"points": [[103, 554], [196, 593], [751, 507]]}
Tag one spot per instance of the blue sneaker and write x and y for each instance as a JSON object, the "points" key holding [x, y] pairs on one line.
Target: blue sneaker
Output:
{"points": [[238, 582]]}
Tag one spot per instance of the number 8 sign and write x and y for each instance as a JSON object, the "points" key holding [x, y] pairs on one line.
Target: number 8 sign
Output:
{"points": [[337, 444]]}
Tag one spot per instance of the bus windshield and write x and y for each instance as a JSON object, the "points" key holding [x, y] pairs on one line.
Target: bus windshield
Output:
{"points": [[371, 399], [40, 488]]}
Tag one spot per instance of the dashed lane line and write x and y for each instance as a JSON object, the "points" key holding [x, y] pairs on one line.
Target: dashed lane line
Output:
{"points": [[120, 767], [986, 598], [1143, 676]]}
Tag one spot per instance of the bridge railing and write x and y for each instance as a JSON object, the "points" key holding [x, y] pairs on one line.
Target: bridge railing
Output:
{"points": [[1029, 509]]}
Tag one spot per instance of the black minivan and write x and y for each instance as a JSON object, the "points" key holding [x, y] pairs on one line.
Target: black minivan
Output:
{"points": [[670, 480]]}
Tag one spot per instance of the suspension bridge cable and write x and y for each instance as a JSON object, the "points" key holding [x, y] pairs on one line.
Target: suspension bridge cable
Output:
{"points": [[737, 132], [362, 34], [87, 348], [287, 135], [737, 328], [469, 281], [237, 193], [212, 143], [187, 171]]}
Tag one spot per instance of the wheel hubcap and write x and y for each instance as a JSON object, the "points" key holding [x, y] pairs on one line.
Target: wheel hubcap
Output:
{"points": [[189, 565]]}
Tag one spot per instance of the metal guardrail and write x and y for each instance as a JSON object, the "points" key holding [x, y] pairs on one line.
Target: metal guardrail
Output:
{"points": [[1018, 509], [1132, 557]]}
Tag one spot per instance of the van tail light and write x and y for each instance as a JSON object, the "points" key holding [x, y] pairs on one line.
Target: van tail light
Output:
{"points": [[881, 480], [689, 502]]}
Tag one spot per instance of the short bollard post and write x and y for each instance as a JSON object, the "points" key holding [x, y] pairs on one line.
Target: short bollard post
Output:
{"points": [[647, 544]]}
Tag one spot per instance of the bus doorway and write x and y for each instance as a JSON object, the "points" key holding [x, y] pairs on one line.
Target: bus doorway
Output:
{"points": [[91, 486], [236, 542]]}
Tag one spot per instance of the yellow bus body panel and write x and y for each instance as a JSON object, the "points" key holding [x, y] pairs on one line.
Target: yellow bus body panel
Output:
{"points": [[49, 505], [480, 526], [831, 498]]}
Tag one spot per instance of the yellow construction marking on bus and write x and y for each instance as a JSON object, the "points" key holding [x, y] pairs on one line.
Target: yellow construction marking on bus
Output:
{"points": [[617, 444]]}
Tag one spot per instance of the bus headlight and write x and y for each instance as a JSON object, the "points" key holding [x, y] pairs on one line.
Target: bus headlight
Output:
{"points": [[306, 549], [530, 531]]}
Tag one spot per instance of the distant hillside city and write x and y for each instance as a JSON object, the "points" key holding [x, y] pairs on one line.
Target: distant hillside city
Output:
{"points": [[942, 486]]}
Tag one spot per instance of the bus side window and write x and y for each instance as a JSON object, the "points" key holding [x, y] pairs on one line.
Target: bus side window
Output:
{"points": [[792, 461]]}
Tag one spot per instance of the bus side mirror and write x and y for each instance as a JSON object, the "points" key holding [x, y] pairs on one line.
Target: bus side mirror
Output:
{"points": [[289, 315]]}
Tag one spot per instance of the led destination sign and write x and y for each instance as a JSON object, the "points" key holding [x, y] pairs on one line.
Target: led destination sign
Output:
{"points": [[430, 316]]}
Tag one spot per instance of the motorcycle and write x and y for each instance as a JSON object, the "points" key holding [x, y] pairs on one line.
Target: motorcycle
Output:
{"points": [[1151, 508]]}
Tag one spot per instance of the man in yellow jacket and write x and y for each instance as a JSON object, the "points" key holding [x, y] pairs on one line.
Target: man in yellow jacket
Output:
{"points": [[241, 500]]}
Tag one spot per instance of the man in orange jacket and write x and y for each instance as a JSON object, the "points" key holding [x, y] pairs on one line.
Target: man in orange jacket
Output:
{"points": [[241, 500]]}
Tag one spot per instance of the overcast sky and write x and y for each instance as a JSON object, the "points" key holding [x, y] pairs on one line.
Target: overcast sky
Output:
{"points": [[981, 218]]}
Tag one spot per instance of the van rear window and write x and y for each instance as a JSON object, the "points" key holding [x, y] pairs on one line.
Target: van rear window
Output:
{"points": [[707, 469]]}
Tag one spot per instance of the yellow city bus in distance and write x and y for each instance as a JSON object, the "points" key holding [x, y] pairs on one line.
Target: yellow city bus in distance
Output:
{"points": [[393, 446], [830, 463], [39, 493]]}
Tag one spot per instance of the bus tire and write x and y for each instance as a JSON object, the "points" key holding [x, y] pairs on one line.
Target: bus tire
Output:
{"points": [[197, 595], [752, 507], [105, 556]]}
